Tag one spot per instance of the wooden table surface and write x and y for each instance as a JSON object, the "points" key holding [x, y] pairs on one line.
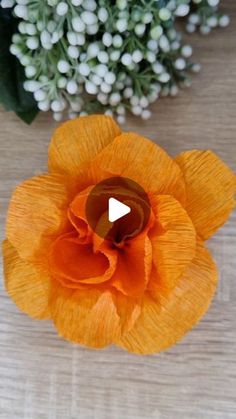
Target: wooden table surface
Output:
{"points": [[44, 377]]}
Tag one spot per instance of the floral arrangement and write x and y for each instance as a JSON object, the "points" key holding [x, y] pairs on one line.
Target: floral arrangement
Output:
{"points": [[143, 292], [86, 56]]}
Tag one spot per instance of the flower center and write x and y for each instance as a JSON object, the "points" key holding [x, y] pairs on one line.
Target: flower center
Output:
{"points": [[127, 192]]}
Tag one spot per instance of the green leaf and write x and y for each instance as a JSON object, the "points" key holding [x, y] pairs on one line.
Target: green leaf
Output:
{"points": [[12, 93], [28, 116]]}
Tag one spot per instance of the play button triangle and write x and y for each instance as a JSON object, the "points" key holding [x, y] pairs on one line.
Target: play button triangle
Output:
{"points": [[117, 209]]}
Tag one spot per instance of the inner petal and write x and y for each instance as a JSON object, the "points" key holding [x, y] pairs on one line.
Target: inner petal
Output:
{"points": [[81, 226], [123, 229], [95, 214], [76, 262], [77, 216], [133, 266]]}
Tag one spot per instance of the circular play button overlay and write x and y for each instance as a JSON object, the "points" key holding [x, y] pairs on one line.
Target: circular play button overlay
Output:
{"points": [[117, 209]]}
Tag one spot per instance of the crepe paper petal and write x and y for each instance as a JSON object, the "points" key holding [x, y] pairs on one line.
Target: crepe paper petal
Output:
{"points": [[210, 188], [130, 226], [81, 226], [69, 259], [27, 284], [128, 309], [78, 205], [166, 320], [134, 266], [37, 212], [86, 317], [143, 161], [80, 140], [173, 239], [127, 228]]}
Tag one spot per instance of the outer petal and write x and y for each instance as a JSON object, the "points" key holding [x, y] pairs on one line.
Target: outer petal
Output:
{"points": [[87, 317], [143, 161], [27, 284], [128, 309], [173, 240], [163, 322], [78, 141], [210, 188], [37, 211]]}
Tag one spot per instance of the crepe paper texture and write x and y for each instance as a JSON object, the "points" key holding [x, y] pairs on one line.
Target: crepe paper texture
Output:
{"points": [[142, 296]]}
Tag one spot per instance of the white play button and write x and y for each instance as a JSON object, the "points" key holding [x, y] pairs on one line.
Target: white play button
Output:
{"points": [[116, 209]]}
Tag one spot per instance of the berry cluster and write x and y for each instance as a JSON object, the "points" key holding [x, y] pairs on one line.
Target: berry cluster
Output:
{"points": [[84, 56]]}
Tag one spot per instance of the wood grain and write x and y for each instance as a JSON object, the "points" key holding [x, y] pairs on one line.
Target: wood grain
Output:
{"points": [[44, 377]]}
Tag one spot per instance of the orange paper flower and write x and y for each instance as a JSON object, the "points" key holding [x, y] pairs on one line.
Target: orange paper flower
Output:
{"points": [[143, 295]]}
